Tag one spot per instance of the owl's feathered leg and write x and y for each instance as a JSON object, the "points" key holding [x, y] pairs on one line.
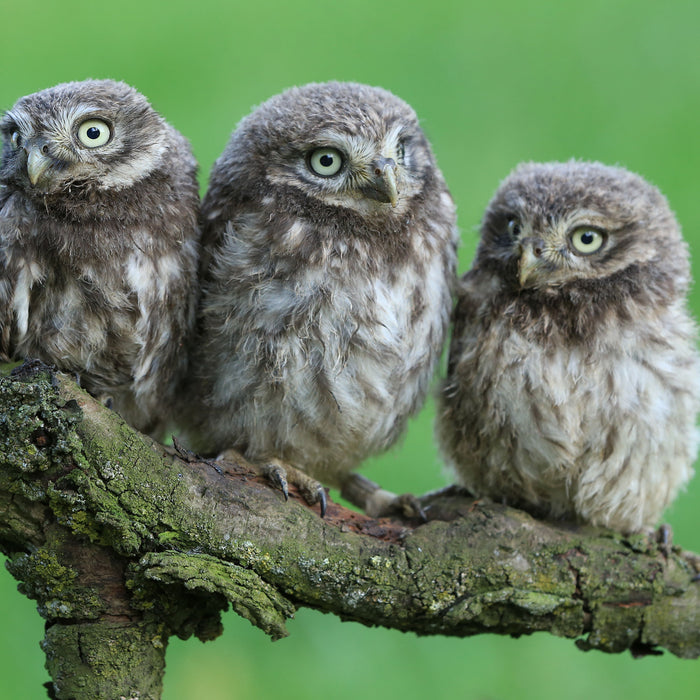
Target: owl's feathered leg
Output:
{"points": [[378, 502]]}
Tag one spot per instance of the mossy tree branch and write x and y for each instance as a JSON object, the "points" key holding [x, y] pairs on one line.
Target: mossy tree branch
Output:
{"points": [[124, 543]]}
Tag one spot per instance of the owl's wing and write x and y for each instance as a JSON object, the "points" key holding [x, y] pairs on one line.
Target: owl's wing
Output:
{"points": [[212, 235], [6, 291], [165, 288], [243, 222], [8, 276], [470, 296]]}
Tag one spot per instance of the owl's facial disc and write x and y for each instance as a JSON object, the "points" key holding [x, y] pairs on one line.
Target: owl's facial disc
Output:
{"points": [[549, 264], [52, 153], [377, 180]]}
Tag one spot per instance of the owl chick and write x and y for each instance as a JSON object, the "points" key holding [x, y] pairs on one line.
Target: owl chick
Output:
{"points": [[99, 243], [574, 380], [329, 263]]}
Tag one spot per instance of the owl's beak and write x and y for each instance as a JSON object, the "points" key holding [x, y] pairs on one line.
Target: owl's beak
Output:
{"points": [[530, 258], [37, 163], [384, 186]]}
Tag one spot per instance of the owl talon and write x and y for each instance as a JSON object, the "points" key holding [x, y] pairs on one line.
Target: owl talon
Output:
{"points": [[280, 475], [664, 539], [276, 474], [322, 501], [183, 452]]}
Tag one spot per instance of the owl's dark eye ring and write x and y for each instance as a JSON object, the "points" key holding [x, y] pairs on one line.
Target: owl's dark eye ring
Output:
{"points": [[514, 227], [325, 162], [93, 133], [586, 240]]}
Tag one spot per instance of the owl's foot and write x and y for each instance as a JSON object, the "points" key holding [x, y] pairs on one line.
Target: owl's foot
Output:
{"points": [[377, 502], [280, 474]]}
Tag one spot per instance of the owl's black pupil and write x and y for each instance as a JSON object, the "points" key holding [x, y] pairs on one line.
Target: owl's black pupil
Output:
{"points": [[587, 238], [93, 133], [326, 160]]}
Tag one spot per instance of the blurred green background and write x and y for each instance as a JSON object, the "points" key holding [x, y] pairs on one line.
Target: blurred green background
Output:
{"points": [[494, 83]]}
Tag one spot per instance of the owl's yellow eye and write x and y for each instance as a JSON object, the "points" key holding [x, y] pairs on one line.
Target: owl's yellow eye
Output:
{"points": [[325, 162], [16, 139], [587, 240], [93, 133]]}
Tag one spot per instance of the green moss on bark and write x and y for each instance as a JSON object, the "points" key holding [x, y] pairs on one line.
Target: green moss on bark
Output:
{"points": [[207, 577], [129, 544], [106, 660]]}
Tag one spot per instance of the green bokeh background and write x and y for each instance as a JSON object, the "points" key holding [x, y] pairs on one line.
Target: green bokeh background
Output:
{"points": [[494, 83]]}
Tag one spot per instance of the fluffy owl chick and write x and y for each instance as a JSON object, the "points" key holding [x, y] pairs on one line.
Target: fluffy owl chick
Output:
{"points": [[574, 382], [329, 260], [98, 243]]}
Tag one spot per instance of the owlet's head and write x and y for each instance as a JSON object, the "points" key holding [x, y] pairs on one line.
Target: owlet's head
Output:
{"points": [[94, 135], [336, 144], [554, 224]]}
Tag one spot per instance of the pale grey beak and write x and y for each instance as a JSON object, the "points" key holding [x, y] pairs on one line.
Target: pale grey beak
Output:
{"points": [[531, 250], [384, 187], [37, 163]]}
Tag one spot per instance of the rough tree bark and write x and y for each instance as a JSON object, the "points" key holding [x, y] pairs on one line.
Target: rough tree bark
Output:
{"points": [[124, 543]]}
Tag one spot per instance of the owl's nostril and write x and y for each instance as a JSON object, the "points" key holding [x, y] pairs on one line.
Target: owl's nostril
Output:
{"points": [[44, 149], [534, 246]]}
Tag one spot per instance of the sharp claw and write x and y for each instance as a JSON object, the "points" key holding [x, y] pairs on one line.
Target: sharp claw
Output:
{"points": [[664, 538], [321, 493], [281, 482], [276, 477]]}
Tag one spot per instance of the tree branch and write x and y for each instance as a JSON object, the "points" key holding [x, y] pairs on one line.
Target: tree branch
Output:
{"points": [[123, 543]]}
